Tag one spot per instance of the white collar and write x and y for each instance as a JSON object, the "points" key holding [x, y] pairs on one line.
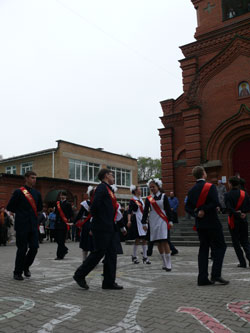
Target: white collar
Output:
{"points": [[157, 194], [200, 179], [134, 197]]}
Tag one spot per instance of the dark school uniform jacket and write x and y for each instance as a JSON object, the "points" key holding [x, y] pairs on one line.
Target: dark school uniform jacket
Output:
{"points": [[25, 217], [102, 210], [210, 219], [68, 212], [231, 200]]}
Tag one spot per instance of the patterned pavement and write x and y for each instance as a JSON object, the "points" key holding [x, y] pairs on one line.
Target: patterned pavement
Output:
{"points": [[152, 300]]}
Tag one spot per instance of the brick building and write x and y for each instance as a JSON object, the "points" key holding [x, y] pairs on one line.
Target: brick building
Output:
{"points": [[209, 124], [69, 167]]}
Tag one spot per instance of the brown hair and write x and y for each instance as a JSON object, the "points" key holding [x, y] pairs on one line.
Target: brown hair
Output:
{"points": [[198, 171]]}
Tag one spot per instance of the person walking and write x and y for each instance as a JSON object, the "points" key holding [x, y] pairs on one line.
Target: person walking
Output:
{"points": [[202, 203], [104, 210], [136, 231], [26, 202], [237, 205], [64, 213], [158, 212]]}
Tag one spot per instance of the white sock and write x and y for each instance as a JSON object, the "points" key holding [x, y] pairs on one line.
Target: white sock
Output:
{"points": [[163, 255], [84, 254], [168, 257], [144, 250], [135, 250]]}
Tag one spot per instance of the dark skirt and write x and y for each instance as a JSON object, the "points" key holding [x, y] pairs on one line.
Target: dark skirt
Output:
{"points": [[86, 240], [133, 231]]}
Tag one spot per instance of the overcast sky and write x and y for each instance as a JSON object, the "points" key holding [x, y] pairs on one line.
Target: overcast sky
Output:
{"points": [[90, 72]]}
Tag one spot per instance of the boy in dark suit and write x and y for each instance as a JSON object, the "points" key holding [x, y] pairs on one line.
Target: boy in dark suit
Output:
{"points": [[104, 210], [202, 203], [237, 205], [26, 202]]}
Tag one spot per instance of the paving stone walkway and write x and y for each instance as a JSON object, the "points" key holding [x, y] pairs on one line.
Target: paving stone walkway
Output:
{"points": [[152, 300]]}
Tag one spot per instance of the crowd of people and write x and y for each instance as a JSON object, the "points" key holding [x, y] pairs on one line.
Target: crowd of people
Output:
{"points": [[101, 221]]}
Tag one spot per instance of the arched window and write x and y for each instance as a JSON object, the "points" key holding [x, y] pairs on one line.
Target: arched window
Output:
{"points": [[244, 90], [233, 8]]}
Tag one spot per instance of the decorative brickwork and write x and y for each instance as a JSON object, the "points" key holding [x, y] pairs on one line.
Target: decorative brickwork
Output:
{"points": [[208, 122]]}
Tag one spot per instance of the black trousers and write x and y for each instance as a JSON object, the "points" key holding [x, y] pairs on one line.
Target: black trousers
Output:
{"points": [[214, 239], [240, 239], [105, 245], [27, 247], [60, 238]]}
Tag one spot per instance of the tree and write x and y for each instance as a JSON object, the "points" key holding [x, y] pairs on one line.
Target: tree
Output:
{"points": [[148, 168]]}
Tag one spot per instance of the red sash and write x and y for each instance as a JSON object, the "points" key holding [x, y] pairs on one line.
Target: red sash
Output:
{"points": [[80, 223], [203, 195], [202, 198], [158, 210], [30, 199], [239, 203], [114, 202], [138, 204], [62, 215]]}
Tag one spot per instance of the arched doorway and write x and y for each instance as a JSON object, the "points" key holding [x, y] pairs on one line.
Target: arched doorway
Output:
{"points": [[241, 161]]}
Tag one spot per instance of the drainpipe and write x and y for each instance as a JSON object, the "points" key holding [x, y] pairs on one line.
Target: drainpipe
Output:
{"points": [[53, 164]]}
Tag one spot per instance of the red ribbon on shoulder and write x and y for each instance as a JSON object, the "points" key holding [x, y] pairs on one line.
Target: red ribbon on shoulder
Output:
{"points": [[62, 215], [202, 197], [239, 203], [114, 201], [30, 199], [158, 210], [139, 204]]}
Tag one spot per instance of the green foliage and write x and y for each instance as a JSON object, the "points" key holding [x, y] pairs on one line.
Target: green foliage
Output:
{"points": [[148, 168]]}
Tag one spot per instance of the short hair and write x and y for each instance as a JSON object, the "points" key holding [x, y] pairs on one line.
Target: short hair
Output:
{"points": [[64, 193], [29, 173], [102, 173], [234, 181], [198, 171]]}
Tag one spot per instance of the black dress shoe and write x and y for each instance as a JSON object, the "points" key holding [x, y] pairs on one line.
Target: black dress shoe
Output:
{"points": [[220, 280], [27, 273], [166, 269], [174, 252], [114, 286], [242, 265], [205, 283], [57, 258], [18, 277], [81, 282]]}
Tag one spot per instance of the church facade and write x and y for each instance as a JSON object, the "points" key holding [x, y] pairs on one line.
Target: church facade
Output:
{"points": [[209, 124]]}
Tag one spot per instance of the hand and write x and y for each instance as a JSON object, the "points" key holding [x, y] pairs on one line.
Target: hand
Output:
{"points": [[124, 232], [171, 224], [243, 215], [218, 209], [201, 214], [145, 227], [129, 224], [90, 233]]}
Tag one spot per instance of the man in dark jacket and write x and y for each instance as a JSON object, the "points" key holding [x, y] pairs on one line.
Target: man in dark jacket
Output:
{"points": [[103, 210], [237, 205], [202, 203], [26, 202], [63, 213]]}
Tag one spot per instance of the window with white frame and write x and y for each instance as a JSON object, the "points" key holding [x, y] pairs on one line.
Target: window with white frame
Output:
{"points": [[26, 167], [83, 171], [144, 191], [122, 176], [11, 169]]}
